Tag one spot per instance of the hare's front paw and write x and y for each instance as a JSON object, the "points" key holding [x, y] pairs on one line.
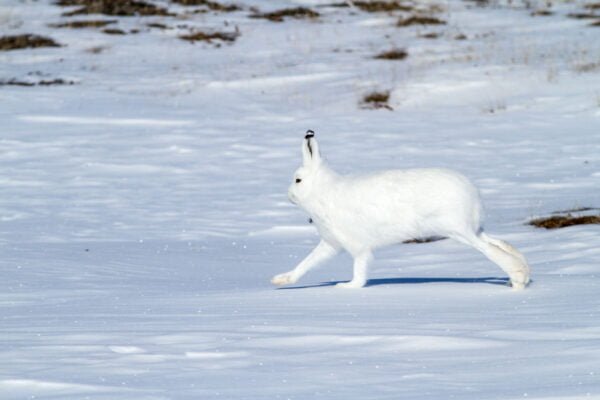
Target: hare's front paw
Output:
{"points": [[283, 279], [351, 285]]}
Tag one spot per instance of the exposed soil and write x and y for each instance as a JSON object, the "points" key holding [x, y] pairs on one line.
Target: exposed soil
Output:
{"points": [[212, 5], [395, 54], [280, 15], [52, 82], [210, 36], [376, 100], [123, 8], [114, 31], [382, 6], [583, 15], [430, 35], [84, 24], [419, 20], [26, 41], [542, 13], [561, 219]]}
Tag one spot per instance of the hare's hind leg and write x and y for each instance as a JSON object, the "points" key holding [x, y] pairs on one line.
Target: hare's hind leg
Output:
{"points": [[506, 256], [359, 278]]}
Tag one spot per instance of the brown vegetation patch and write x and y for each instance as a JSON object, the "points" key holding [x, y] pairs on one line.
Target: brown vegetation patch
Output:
{"points": [[114, 31], [212, 5], [45, 82], [158, 26], [123, 8], [583, 15], [562, 221], [278, 16], [395, 54], [597, 23], [419, 20], [542, 13], [460, 36], [430, 35], [592, 6], [84, 24], [26, 41], [210, 36], [376, 100], [382, 6]]}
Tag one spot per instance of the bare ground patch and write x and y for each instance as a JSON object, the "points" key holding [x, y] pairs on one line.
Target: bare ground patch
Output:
{"points": [[376, 100], [43, 82], [280, 15], [382, 6], [419, 20], [562, 219], [84, 24], [210, 37], [394, 54], [123, 8], [26, 41], [211, 5]]}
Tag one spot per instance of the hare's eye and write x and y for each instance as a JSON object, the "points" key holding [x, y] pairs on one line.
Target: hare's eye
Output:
{"points": [[298, 180]]}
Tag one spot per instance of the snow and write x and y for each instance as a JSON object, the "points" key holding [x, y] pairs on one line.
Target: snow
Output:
{"points": [[143, 210]]}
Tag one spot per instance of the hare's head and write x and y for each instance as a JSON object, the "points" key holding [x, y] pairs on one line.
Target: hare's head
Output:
{"points": [[305, 178]]}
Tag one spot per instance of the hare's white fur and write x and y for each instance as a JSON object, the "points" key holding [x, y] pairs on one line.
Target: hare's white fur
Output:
{"points": [[361, 213]]}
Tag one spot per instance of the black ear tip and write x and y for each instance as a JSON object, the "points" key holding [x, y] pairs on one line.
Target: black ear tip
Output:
{"points": [[309, 134]]}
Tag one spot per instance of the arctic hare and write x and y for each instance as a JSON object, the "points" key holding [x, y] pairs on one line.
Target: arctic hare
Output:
{"points": [[361, 213]]}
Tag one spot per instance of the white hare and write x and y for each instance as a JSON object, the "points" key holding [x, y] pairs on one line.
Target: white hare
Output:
{"points": [[361, 213]]}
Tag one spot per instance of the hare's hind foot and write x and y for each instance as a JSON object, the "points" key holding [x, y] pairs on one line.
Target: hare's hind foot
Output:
{"points": [[353, 284], [284, 279]]}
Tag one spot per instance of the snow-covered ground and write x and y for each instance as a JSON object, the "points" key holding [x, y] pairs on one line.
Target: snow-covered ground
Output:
{"points": [[143, 210]]}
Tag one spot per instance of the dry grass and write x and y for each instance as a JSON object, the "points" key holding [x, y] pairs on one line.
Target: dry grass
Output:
{"points": [[53, 82], [562, 221], [280, 15], [210, 36], [395, 54], [583, 15], [592, 6], [376, 100], [212, 5], [26, 41], [597, 23], [541, 13], [122, 8], [114, 31], [84, 24], [419, 20], [382, 6], [430, 35]]}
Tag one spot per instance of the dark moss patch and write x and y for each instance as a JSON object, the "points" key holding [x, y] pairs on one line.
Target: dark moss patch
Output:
{"points": [[212, 5], [382, 6], [395, 54], [84, 24], [425, 240], [122, 8], [26, 41], [419, 20], [376, 100], [44, 82], [280, 15], [210, 36], [114, 31]]}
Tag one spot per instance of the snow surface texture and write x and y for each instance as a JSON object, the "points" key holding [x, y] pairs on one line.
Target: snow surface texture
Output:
{"points": [[143, 210]]}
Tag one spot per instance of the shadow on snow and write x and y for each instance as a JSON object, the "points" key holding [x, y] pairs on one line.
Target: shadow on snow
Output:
{"points": [[402, 281]]}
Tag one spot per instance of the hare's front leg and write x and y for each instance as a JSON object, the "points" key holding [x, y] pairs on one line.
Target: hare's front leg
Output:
{"points": [[322, 252], [361, 264]]}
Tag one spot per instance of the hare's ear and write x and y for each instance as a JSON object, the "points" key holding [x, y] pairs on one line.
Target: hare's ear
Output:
{"points": [[310, 150]]}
